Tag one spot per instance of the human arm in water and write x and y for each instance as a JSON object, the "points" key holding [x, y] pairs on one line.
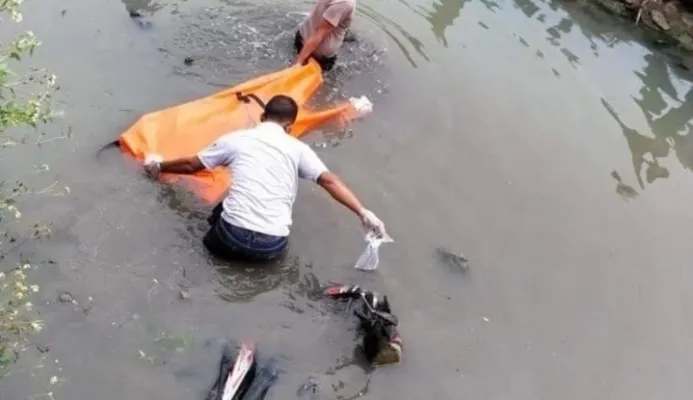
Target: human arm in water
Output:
{"points": [[312, 43], [187, 165], [219, 153]]}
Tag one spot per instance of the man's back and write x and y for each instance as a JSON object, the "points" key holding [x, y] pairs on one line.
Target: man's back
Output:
{"points": [[265, 164]]}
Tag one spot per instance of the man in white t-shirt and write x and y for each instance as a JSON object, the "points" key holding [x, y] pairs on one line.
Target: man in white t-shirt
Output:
{"points": [[253, 221], [321, 34]]}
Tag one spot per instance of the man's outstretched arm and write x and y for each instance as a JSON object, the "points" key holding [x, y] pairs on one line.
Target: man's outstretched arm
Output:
{"points": [[340, 192], [187, 165], [312, 168], [219, 153]]}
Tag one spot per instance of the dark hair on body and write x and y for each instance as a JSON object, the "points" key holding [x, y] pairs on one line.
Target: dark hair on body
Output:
{"points": [[282, 109]]}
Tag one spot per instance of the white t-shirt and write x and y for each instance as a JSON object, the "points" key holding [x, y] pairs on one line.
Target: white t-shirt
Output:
{"points": [[265, 164]]}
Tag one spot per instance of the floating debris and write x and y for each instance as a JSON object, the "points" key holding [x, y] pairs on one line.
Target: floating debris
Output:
{"points": [[66, 297], [137, 17], [309, 390], [320, 145], [453, 260], [349, 37]]}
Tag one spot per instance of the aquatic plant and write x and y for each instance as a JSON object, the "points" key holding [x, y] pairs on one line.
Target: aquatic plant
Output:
{"points": [[25, 102], [15, 313], [24, 98]]}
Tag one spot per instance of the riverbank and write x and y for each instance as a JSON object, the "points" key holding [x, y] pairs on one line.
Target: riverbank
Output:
{"points": [[671, 20]]}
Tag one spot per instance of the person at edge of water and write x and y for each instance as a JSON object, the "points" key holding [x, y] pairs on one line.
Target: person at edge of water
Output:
{"points": [[252, 223], [321, 34]]}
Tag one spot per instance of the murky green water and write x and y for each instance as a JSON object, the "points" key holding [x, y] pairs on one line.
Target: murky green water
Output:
{"points": [[543, 140]]}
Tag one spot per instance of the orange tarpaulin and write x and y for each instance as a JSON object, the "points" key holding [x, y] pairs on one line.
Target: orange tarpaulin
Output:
{"points": [[183, 130]]}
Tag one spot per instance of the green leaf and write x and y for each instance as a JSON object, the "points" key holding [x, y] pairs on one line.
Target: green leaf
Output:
{"points": [[7, 355]]}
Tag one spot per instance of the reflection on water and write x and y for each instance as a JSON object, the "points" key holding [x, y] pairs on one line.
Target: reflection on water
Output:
{"points": [[669, 118], [527, 7], [656, 92], [623, 190], [640, 147], [491, 5], [443, 15], [385, 23], [669, 122]]}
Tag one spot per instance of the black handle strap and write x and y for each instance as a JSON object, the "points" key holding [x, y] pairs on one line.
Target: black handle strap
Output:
{"points": [[247, 97]]}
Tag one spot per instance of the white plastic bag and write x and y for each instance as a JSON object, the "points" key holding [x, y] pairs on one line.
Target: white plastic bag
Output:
{"points": [[369, 259]]}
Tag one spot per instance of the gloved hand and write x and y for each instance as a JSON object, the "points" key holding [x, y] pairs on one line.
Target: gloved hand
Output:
{"points": [[371, 223], [152, 164]]}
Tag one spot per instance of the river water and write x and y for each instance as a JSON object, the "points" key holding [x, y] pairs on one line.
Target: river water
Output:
{"points": [[543, 140]]}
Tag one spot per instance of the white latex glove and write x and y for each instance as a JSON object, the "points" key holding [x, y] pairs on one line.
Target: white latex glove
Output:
{"points": [[375, 236], [152, 164], [361, 107], [371, 223]]}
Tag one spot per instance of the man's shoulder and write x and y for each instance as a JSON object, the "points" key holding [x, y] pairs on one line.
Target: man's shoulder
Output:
{"points": [[232, 136]]}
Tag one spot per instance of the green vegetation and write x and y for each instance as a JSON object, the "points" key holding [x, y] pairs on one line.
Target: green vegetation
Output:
{"points": [[25, 102]]}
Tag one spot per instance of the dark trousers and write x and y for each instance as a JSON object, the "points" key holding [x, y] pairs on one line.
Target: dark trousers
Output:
{"points": [[234, 243], [326, 63]]}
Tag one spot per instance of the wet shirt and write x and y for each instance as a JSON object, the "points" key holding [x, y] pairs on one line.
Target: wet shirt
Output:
{"points": [[265, 164], [339, 13]]}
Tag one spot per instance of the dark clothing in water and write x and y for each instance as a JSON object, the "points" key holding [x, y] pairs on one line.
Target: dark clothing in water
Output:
{"points": [[235, 243], [326, 63]]}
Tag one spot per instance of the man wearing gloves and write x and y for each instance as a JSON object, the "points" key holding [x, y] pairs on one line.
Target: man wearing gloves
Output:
{"points": [[252, 223]]}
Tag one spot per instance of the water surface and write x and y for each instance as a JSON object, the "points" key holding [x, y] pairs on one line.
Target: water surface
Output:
{"points": [[546, 141]]}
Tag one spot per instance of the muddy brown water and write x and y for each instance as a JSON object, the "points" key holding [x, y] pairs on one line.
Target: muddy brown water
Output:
{"points": [[547, 142]]}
